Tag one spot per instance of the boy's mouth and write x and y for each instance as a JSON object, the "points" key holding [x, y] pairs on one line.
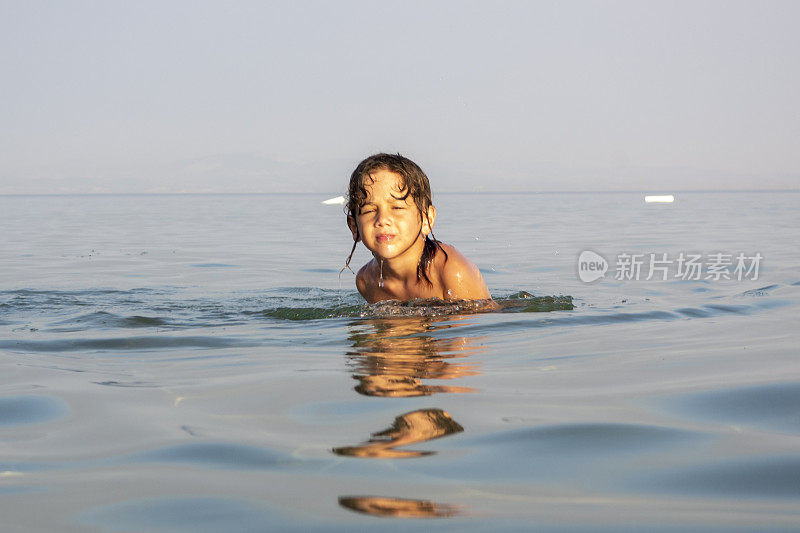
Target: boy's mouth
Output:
{"points": [[385, 238]]}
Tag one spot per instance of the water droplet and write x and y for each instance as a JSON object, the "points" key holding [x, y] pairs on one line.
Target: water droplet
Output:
{"points": [[380, 279], [339, 292]]}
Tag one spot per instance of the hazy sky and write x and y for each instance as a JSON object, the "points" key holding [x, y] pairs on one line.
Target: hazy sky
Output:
{"points": [[242, 96]]}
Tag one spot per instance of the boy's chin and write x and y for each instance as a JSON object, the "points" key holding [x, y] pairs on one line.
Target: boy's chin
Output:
{"points": [[383, 256], [382, 250]]}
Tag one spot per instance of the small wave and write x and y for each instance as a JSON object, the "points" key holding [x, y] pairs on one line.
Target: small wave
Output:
{"points": [[24, 410], [693, 312], [126, 384], [103, 319], [762, 291], [38, 298], [521, 302], [123, 344], [758, 477], [101, 309], [186, 513], [308, 313], [772, 406], [216, 455], [570, 320], [733, 309], [611, 438], [585, 452], [525, 302], [426, 307], [176, 308]]}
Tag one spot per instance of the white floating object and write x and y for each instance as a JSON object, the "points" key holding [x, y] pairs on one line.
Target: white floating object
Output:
{"points": [[339, 200], [665, 199]]}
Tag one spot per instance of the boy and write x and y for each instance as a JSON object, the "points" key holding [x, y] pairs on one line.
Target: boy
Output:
{"points": [[389, 209]]}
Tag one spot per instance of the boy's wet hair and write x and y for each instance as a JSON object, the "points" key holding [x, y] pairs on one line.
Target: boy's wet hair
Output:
{"points": [[414, 184]]}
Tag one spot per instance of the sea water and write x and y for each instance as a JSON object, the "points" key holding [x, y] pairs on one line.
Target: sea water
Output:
{"points": [[197, 363]]}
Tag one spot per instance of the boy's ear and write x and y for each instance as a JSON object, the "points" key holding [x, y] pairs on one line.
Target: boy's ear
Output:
{"points": [[427, 223], [351, 223]]}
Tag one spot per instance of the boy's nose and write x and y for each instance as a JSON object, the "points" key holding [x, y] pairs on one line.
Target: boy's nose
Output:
{"points": [[384, 218]]}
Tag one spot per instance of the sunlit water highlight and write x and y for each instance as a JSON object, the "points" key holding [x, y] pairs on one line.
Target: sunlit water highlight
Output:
{"points": [[189, 363]]}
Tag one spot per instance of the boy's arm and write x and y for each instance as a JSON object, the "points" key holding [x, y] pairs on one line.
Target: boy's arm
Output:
{"points": [[461, 279]]}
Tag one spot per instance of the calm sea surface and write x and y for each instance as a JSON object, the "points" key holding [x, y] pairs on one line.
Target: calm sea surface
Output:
{"points": [[194, 364]]}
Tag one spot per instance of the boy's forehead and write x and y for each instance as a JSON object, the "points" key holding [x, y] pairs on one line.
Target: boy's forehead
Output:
{"points": [[381, 182]]}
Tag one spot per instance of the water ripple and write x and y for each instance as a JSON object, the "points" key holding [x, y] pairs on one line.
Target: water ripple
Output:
{"points": [[583, 453], [24, 410], [760, 477], [216, 455], [103, 319], [587, 437], [124, 343], [772, 406], [195, 514]]}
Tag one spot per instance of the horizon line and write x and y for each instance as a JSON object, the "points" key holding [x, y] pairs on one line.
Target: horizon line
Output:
{"points": [[620, 191]]}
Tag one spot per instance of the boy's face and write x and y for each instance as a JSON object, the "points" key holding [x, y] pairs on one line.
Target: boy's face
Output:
{"points": [[388, 226]]}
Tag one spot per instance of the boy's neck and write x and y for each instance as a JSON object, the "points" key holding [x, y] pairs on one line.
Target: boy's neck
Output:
{"points": [[402, 268]]}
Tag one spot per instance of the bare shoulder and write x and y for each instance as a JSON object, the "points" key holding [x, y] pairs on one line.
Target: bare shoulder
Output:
{"points": [[365, 281], [460, 278]]}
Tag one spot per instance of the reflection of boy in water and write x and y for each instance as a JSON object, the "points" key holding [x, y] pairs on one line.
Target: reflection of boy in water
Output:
{"points": [[410, 428], [398, 507], [393, 357], [400, 386]]}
